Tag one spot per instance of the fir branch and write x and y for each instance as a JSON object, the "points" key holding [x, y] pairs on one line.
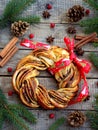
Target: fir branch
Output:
{"points": [[93, 116], [29, 19], [89, 22], [15, 7], [1, 118], [93, 3], [2, 99], [95, 44], [14, 113], [17, 121], [94, 59], [13, 10], [57, 123], [22, 111]]}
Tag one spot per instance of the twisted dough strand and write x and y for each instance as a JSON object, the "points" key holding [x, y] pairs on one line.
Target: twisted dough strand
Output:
{"points": [[34, 94]]}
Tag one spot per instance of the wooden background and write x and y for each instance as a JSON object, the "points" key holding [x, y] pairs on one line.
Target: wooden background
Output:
{"points": [[41, 31]]}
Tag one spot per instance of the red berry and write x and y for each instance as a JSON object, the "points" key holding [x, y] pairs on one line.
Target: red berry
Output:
{"points": [[52, 25], [9, 69], [48, 6], [10, 93], [31, 35], [51, 116], [87, 11]]}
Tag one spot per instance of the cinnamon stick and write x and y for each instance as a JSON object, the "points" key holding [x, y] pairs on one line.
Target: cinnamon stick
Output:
{"points": [[85, 40], [8, 47], [78, 37], [8, 56]]}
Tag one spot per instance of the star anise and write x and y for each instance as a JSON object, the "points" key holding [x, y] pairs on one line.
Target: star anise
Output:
{"points": [[50, 39], [71, 30], [46, 14], [79, 51]]}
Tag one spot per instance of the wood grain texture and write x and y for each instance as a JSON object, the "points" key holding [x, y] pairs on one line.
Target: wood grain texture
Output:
{"points": [[41, 32]]}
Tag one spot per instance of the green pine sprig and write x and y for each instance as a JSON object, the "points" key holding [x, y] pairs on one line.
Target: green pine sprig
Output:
{"points": [[95, 44], [94, 59], [13, 10], [57, 123], [15, 114], [91, 24], [93, 116], [92, 3]]}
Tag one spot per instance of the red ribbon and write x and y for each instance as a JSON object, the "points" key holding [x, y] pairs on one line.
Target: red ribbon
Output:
{"points": [[83, 65]]}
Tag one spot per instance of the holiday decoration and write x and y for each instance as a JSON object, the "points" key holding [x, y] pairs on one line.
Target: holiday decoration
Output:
{"points": [[13, 10], [94, 59], [71, 30], [93, 115], [14, 113], [75, 13], [9, 69], [91, 24], [59, 62], [19, 28], [52, 25], [50, 39], [76, 119], [51, 116], [46, 14], [10, 93], [87, 11], [48, 6], [31, 35], [57, 123]]}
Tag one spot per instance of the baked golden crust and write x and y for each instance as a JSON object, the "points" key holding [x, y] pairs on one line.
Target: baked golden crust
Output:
{"points": [[34, 94]]}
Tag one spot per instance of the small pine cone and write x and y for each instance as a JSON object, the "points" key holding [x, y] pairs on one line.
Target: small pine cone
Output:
{"points": [[50, 39], [19, 28], [76, 118], [75, 13], [71, 30]]}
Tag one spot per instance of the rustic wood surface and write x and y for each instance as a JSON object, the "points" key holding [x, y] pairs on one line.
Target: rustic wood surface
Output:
{"points": [[41, 31]]}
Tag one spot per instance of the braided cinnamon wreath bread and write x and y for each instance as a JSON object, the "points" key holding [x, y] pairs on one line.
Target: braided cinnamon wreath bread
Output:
{"points": [[34, 94]]}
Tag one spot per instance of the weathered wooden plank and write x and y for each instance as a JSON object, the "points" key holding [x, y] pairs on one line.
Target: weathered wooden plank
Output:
{"points": [[49, 83], [42, 31], [22, 53], [43, 118]]}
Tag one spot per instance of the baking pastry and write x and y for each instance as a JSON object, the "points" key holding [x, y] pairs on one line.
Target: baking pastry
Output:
{"points": [[34, 94]]}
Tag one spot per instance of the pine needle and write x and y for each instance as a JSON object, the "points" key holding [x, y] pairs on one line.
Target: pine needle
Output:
{"points": [[91, 24], [95, 44], [13, 10], [57, 123], [93, 116], [15, 114], [94, 59], [30, 19]]}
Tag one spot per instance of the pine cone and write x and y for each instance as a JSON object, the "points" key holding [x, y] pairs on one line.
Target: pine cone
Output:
{"points": [[71, 30], [76, 119], [75, 13], [19, 28], [50, 39]]}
